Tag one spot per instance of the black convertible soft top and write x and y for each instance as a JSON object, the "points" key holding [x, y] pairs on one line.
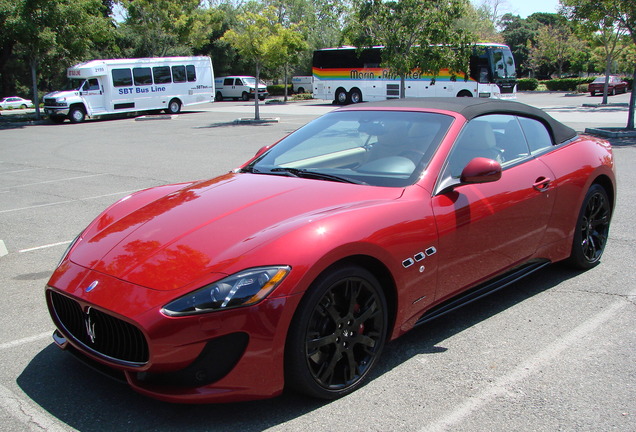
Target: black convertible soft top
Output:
{"points": [[475, 107]]}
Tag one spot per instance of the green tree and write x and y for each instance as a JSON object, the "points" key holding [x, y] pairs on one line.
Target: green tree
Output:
{"points": [[415, 34], [619, 15], [259, 37], [62, 31], [555, 45], [158, 28]]}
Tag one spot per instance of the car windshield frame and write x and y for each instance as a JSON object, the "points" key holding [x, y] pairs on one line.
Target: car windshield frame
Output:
{"points": [[371, 147]]}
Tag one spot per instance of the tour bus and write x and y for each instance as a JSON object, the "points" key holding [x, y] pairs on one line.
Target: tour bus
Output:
{"points": [[347, 75], [101, 87]]}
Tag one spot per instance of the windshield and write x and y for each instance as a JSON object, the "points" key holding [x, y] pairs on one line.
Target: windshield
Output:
{"points": [[380, 148], [74, 84], [503, 64]]}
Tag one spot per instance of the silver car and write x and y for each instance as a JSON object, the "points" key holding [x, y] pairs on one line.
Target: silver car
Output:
{"points": [[15, 102]]}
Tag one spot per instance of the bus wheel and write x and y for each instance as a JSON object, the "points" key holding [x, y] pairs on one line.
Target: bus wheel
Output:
{"points": [[355, 96], [245, 96], [174, 107], [341, 97], [219, 97], [76, 115], [464, 93]]}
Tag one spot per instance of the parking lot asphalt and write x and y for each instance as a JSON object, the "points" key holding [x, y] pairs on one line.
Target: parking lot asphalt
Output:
{"points": [[555, 351]]}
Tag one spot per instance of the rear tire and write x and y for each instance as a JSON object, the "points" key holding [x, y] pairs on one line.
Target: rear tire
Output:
{"points": [[592, 229], [355, 96], [341, 97], [337, 333], [464, 93], [219, 97], [174, 107]]}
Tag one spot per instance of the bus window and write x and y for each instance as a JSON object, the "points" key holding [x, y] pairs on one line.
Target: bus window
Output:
{"points": [[161, 74], [142, 76], [191, 73], [122, 78], [179, 74]]}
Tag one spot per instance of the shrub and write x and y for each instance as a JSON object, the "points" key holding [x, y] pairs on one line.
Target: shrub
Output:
{"points": [[566, 84], [527, 84], [279, 90]]}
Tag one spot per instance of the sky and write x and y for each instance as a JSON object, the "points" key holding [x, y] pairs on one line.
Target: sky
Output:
{"points": [[523, 8]]}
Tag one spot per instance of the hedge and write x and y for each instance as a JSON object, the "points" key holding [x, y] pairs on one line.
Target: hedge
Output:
{"points": [[279, 89], [527, 84]]}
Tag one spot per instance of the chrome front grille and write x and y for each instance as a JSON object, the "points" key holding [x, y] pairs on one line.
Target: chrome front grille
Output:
{"points": [[103, 334]]}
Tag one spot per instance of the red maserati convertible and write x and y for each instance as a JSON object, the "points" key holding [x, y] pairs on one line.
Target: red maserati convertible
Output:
{"points": [[295, 269]]}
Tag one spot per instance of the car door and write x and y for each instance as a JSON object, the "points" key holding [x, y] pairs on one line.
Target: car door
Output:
{"points": [[93, 94], [487, 228]]}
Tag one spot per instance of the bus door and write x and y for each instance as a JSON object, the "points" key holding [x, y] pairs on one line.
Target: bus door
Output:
{"points": [[92, 92]]}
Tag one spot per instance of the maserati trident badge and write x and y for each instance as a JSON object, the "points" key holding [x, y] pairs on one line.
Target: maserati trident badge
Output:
{"points": [[90, 326]]}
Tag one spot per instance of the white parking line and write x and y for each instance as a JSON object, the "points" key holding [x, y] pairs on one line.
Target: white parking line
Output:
{"points": [[67, 201], [19, 171], [522, 372], [25, 340], [55, 181], [45, 246]]}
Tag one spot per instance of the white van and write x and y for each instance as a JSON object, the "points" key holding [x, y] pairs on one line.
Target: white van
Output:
{"points": [[236, 87], [301, 84], [101, 87]]}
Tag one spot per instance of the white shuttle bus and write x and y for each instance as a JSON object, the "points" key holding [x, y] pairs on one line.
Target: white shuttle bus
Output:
{"points": [[102, 87]]}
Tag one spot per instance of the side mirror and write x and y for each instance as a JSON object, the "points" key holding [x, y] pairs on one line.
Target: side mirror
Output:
{"points": [[262, 150], [481, 170]]}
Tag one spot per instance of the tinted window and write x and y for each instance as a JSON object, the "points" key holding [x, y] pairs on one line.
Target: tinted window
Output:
{"points": [[191, 73], [536, 134], [497, 137], [161, 75], [239, 82], [142, 76], [228, 81], [178, 74], [122, 77]]}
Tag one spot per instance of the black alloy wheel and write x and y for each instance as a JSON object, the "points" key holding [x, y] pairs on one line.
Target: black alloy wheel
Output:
{"points": [[338, 333], [592, 229]]}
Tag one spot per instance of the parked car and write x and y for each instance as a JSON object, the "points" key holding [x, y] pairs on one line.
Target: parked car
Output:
{"points": [[15, 102], [296, 268], [614, 86], [235, 87]]}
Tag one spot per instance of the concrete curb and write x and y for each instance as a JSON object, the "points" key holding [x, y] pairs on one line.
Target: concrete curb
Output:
{"points": [[254, 121], [611, 132]]}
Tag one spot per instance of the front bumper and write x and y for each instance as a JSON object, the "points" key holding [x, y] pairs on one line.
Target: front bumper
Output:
{"points": [[61, 111], [215, 357]]}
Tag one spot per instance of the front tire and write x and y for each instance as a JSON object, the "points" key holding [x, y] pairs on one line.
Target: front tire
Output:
{"points": [[337, 334], [245, 96], [592, 229], [76, 115]]}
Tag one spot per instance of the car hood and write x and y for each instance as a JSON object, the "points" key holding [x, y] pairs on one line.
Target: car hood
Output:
{"points": [[208, 226], [61, 94]]}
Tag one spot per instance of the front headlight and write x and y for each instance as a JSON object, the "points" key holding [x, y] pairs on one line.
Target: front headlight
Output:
{"points": [[241, 289]]}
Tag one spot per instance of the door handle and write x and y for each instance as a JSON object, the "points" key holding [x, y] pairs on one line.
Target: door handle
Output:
{"points": [[542, 184]]}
